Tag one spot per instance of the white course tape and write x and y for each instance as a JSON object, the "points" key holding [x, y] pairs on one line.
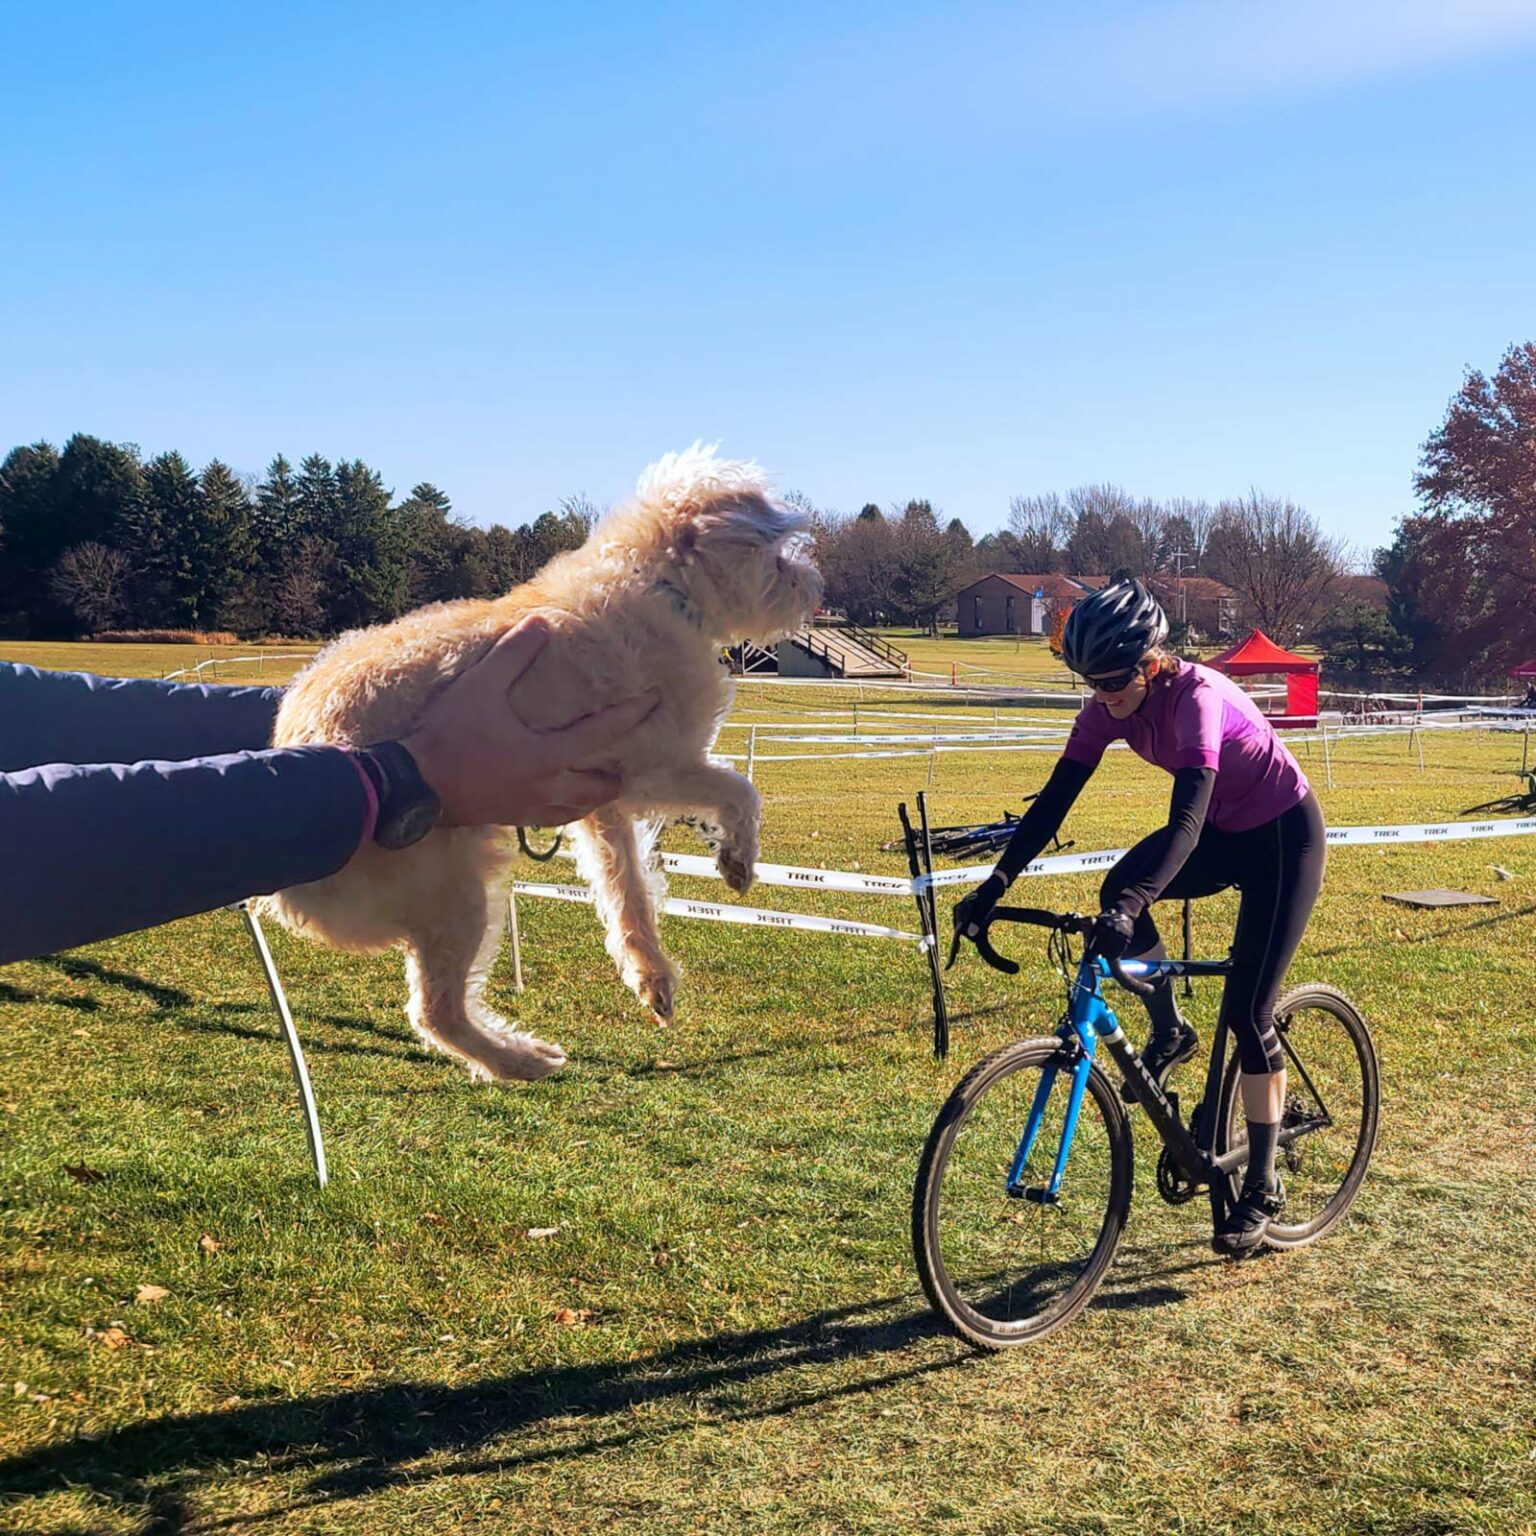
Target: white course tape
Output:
{"points": [[1422, 832], [806, 878], [792, 874], [840, 757], [719, 912]]}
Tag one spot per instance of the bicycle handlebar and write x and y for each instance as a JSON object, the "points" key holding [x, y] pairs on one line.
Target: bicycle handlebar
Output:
{"points": [[1038, 917]]}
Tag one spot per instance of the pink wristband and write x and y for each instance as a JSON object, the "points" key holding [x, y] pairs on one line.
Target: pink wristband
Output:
{"points": [[371, 796]]}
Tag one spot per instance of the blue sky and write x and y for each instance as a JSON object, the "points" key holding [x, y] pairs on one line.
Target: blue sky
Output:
{"points": [[958, 251]]}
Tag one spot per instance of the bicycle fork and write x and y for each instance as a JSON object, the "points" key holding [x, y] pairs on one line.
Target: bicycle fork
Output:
{"points": [[1050, 1194]]}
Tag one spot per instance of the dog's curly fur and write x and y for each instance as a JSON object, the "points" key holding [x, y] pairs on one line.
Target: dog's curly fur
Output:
{"points": [[700, 558]]}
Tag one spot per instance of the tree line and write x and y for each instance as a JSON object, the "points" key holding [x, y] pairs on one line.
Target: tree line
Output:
{"points": [[1459, 574], [97, 537], [904, 567]]}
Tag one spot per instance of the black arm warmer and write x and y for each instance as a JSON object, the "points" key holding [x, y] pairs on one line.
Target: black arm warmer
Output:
{"points": [[1040, 823], [1170, 846]]}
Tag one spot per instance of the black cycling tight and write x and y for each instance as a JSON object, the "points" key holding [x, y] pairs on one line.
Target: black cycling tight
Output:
{"points": [[1278, 868]]}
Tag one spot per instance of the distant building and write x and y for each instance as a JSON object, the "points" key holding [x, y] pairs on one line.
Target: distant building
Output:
{"points": [[1200, 602], [1007, 603]]}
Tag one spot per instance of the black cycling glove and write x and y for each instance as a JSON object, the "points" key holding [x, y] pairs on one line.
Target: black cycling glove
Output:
{"points": [[1111, 935], [971, 910]]}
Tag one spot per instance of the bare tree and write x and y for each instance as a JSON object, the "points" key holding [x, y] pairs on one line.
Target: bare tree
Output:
{"points": [[1041, 526], [299, 598], [1273, 552], [91, 579], [1188, 530], [581, 512], [1150, 520]]}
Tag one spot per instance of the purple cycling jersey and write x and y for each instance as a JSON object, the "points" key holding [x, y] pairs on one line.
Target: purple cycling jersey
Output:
{"points": [[1202, 719]]}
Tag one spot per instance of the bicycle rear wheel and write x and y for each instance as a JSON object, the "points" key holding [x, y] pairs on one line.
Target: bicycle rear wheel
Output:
{"points": [[1003, 1268], [1332, 1104]]}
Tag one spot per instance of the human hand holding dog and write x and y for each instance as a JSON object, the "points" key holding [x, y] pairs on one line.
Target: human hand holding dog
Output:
{"points": [[490, 768]]}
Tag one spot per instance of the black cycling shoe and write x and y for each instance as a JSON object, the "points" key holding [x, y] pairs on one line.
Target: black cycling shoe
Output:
{"points": [[1241, 1235], [1162, 1054]]}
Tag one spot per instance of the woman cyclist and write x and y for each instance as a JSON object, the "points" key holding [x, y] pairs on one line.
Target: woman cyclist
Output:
{"points": [[1241, 814]]}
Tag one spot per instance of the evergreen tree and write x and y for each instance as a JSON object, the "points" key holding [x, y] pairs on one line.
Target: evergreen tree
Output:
{"points": [[369, 577], [98, 491], [438, 548], [27, 484], [307, 568], [493, 562], [221, 551], [163, 541], [276, 517]]}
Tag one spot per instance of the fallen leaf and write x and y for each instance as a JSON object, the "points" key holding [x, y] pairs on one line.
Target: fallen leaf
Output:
{"points": [[83, 1175], [666, 1066], [432, 1219], [574, 1317], [149, 1293], [114, 1338], [541, 1231], [209, 1244]]}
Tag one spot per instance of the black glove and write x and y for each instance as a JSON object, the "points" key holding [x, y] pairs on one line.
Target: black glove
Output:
{"points": [[1111, 935], [971, 911]]}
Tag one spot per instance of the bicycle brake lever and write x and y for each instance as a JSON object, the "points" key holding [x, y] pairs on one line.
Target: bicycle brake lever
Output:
{"points": [[996, 961]]}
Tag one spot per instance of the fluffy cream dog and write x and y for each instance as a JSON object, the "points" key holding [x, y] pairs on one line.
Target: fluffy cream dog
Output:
{"points": [[700, 558]]}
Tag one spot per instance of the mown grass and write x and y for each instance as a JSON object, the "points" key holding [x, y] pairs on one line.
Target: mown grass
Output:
{"points": [[724, 1332]]}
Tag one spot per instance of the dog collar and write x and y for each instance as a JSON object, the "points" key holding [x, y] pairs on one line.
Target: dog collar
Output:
{"points": [[680, 601]]}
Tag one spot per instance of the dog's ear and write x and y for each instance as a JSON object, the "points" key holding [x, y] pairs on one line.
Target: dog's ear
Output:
{"points": [[745, 518]]}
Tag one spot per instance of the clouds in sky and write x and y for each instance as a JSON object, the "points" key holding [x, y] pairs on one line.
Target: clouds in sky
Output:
{"points": [[1210, 52]]}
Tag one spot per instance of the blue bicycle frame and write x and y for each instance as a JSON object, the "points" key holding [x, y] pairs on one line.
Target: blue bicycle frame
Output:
{"points": [[1090, 1019]]}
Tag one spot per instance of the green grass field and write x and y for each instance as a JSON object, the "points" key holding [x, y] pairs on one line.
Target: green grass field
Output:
{"points": [[723, 1331]]}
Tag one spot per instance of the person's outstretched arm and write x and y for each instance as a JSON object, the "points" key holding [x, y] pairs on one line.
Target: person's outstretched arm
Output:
{"points": [[77, 717], [91, 851], [97, 850]]}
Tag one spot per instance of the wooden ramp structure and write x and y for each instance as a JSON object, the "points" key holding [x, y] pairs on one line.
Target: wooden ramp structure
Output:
{"points": [[823, 651]]}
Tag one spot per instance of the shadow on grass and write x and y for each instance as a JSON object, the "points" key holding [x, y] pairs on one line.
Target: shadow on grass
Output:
{"points": [[601, 1066], [1439, 933], [214, 1022], [350, 1444], [89, 970], [10, 994]]}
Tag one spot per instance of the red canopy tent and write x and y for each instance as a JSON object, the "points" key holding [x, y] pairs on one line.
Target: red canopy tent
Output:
{"points": [[1525, 669], [1259, 655]]}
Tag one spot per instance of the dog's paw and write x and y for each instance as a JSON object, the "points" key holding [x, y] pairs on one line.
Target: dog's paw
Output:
{"points": [[658, 991], [736, 859], [515, 1056]]}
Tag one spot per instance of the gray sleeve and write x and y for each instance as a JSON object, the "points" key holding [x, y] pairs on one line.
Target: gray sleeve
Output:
{"points": [[90, 852], [77, 717]]}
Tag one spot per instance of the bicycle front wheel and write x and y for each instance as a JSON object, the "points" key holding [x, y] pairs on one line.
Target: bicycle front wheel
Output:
{"points": [[1332, 1105], [1002, 1263]]}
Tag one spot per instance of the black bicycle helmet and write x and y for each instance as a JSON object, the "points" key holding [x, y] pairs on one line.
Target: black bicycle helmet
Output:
{"points": [[1111, 630]]}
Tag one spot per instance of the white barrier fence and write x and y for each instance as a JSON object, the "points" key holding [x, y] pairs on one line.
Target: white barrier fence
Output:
{"points": [[803, 877]]}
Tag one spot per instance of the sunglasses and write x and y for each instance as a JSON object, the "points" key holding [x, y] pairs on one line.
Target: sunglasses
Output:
{"points": [[1116, 684]]}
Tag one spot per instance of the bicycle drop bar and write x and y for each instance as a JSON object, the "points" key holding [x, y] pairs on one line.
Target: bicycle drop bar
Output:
{"points": [[1038, 917]]}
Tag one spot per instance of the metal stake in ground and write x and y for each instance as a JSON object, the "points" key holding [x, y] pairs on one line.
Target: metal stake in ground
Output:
{"points": [[291, 1037], [925, 909], [941, 1012]]}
